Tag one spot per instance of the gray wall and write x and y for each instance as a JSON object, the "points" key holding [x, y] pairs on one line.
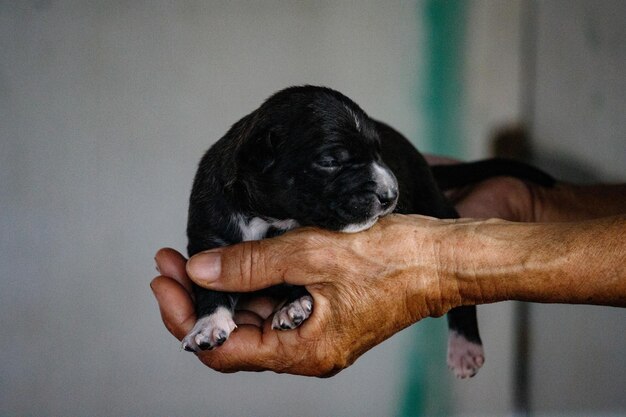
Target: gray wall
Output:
{"points": [[105, 110], [579, 129]]}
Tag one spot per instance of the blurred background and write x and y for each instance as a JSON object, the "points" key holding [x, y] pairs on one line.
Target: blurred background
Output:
{"points": [[107, 106]]}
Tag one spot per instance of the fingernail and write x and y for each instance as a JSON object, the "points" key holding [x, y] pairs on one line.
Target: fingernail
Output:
{"points": [[206, 266]]}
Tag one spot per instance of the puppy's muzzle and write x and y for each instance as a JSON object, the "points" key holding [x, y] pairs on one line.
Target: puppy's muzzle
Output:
{"points": [[386, 187]]}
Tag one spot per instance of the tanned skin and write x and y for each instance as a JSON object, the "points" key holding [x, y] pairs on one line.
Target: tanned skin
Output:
{"points": [[433, 265]]}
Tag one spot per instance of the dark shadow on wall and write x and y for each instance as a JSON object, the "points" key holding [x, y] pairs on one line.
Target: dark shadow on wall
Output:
{"points": [[513, 141], [565, 168]]}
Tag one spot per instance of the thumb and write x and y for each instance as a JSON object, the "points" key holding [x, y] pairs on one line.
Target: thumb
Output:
{"points": [[247, 266]]}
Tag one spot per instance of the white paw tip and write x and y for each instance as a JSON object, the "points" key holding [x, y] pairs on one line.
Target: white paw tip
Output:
{"points": [[464, 357], [210, 331], [293, 314]]}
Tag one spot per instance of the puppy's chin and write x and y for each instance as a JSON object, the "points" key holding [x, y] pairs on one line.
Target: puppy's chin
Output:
{"points": [[359, 227]]}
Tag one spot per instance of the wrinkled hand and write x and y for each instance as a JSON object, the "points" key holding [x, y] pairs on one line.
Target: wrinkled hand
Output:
{"points": [[366, 287]]}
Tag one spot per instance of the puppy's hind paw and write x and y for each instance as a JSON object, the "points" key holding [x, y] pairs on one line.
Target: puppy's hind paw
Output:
{"points": [[210, 331], [292, 314], [464, 357]]}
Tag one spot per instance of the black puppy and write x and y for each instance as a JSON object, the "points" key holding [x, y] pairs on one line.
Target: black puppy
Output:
{"points": [[310, 156]]}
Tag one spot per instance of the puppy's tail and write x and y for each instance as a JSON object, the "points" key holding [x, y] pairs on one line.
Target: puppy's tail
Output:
{"points": [[459, 175]]}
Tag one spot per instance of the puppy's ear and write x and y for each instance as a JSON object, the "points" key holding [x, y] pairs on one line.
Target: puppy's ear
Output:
{"points": [[257, 154]]}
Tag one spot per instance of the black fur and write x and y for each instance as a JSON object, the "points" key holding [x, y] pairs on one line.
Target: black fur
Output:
{"points": [[306, 154]]}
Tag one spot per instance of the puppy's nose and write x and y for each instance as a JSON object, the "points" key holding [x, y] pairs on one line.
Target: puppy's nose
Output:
{"points": [[387, 197]]}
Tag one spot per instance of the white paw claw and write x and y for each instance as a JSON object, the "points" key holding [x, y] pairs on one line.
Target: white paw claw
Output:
{"points": [[293, 314], [210, 331]]}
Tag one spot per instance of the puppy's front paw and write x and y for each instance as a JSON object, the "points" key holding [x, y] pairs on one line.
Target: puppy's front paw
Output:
{"points": [[292, 314], [210, 331], [464, 357]]}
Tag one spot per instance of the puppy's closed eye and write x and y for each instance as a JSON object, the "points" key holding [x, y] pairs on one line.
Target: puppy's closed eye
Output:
{"points": [[332, 160], [327, 163]]}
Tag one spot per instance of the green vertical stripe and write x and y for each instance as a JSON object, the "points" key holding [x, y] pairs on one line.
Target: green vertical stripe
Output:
{"points": [[427, 390], [444, 23]]}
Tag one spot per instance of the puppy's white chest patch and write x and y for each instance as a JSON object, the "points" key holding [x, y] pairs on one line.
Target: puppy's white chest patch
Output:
{"points": [[256, 228]]}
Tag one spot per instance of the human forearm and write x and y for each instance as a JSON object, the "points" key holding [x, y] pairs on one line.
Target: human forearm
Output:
{"points": [[581, 262], [368, 286]]}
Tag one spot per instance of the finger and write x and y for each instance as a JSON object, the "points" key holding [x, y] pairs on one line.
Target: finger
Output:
{"points": [[260, 305], [171, 263], [242, 317], [244, 351], [248, 266], [175, 304], [251, 348]]}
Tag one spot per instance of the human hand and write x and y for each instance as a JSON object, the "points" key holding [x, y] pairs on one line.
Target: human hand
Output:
{"points": [[500, 197], [506, 198], [252, 345], [366, 287], [513, 199], [326, 344]]}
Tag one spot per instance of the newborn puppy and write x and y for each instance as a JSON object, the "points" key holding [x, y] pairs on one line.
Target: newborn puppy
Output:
{"points": [[309, 156]]}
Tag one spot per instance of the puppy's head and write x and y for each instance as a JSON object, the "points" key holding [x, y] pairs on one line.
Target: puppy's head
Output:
{"points": [[312, 155]]}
